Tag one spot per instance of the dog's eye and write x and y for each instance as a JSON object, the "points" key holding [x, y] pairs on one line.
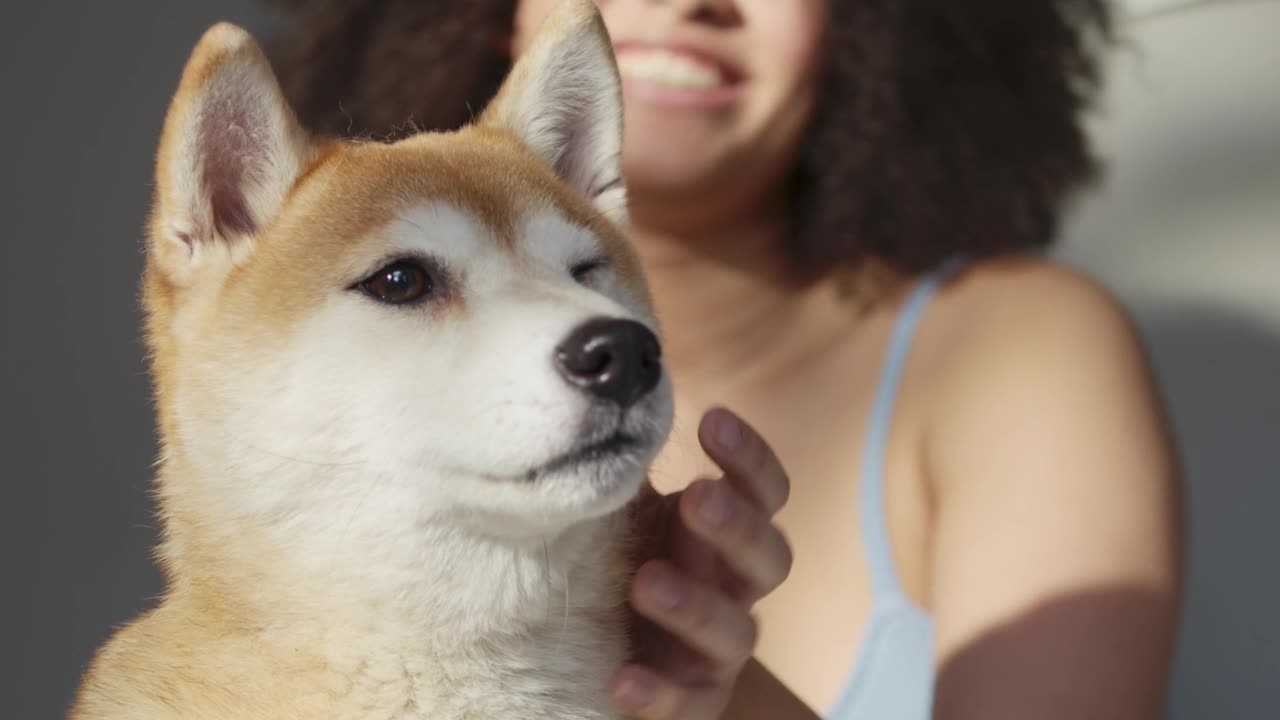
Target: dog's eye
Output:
{"points": [[399, 283], [582, 271]]}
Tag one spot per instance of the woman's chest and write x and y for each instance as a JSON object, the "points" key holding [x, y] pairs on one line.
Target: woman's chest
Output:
{"points": [[812, 626]]}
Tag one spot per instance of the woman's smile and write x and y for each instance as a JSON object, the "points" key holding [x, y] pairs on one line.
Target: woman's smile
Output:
{"points": [[677, 77]]}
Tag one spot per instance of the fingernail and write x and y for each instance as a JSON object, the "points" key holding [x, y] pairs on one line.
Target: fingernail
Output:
{"points": [[728, 432], [666, 591], [715, 507], [635, 693]]}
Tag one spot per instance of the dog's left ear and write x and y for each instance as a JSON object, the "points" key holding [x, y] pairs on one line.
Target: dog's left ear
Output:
{"points": [[563, 100], [230, 151]]}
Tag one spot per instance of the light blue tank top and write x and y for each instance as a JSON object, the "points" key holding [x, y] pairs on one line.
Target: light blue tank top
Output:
{"points": [[893, 675]]}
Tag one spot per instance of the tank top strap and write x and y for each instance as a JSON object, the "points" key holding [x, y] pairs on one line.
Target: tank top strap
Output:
{"points": [[875, 529]]}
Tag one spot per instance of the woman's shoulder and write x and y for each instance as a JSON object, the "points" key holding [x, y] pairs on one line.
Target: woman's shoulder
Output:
{"points": [[1016, 289], [1030, 316], [1023, 347]]}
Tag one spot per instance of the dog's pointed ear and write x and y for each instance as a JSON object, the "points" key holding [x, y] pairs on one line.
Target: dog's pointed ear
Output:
{"points": [[230, 151], [563, 100]]}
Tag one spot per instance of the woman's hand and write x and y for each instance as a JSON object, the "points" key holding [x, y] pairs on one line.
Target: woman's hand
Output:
{"points": [[706, 555]]}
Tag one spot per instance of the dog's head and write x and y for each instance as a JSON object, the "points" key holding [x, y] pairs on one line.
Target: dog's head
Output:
{"points": [[453, 326]]}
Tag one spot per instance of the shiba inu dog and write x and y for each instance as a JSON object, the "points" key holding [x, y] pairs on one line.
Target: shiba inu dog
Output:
{"points": [[405, 393]]}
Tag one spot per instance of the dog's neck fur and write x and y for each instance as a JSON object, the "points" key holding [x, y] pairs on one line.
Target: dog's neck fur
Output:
{"points": [[543, 616]]}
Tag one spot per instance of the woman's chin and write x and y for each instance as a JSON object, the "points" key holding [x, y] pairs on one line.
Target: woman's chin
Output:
{"points": [[673, 172], [663, 180], [674, 148], [685, 167]]}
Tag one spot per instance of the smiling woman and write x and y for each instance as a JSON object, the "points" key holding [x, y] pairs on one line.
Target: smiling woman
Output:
{"points": [[832, 200]]}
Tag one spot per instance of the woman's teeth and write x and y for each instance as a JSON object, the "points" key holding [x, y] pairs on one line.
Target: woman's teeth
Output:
{"points": [[671, 69]]}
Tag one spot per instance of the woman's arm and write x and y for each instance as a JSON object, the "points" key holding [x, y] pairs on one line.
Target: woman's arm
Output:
{"points": [[1057, 554]]}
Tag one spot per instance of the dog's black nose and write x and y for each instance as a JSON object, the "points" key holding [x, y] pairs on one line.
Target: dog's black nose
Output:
{"points": [[613, 359]]}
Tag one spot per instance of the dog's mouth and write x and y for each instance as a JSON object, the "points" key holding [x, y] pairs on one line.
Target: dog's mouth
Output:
{"points": [[617, 446]]}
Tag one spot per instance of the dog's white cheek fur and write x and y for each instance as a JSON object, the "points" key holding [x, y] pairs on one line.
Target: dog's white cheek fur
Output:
{"points": [[426, 398], [363, 441]]}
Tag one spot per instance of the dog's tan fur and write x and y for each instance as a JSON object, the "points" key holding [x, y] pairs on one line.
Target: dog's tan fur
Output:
{"points": [[237, 634]]}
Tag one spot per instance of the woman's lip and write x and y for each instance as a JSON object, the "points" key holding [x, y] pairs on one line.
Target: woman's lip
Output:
{"points": [[658, 93], [655, 93], [729, 73]]}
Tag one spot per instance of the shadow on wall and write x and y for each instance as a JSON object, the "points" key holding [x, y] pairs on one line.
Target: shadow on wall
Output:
{"points": [[1221, 376]]}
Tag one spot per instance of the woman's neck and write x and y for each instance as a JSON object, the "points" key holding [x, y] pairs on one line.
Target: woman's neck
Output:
{"points": [[733, 314]]}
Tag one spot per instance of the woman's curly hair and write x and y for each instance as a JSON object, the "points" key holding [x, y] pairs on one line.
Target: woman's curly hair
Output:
{"points": [[944, 128]]}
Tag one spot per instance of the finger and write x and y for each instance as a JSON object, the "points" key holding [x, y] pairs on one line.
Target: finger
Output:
{"points": [[747, 460], [697, 615], [646, 695], [744, 539], [694, 557]]}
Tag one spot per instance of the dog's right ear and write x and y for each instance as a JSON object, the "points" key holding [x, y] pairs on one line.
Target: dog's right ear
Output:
{"points": [[563, 100], [230, 151]]}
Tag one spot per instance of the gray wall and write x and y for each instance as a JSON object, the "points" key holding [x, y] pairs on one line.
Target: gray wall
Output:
{"points": [[85, 88], [1187, 231]]}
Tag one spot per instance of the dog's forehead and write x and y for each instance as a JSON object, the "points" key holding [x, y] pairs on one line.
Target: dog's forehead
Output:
{"points": [[353, 189], [348, 208]]}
